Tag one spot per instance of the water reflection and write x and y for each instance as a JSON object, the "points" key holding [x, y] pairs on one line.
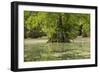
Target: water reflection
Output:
{"points": [[56, 51]]}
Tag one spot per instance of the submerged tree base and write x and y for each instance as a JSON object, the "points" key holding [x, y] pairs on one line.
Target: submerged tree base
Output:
{"points": [[59, 40]]}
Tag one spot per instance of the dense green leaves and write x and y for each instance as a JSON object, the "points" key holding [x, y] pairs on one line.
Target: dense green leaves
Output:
{"points": [[58, 27]]}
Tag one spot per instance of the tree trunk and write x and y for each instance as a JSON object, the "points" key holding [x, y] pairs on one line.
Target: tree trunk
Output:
{"points": [[60, 35]]}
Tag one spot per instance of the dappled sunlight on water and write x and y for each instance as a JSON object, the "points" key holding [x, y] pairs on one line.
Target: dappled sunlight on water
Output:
{"points": [[40, 50]]}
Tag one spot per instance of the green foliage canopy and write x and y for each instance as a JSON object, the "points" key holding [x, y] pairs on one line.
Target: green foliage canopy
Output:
{"points": [[58, 26]]}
